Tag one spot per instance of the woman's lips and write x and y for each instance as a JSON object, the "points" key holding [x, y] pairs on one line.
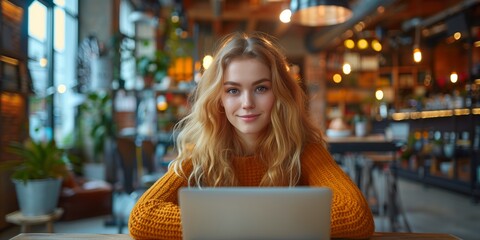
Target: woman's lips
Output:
{"points": [[249, 117]]}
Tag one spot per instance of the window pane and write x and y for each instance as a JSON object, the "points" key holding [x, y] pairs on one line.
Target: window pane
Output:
{"points": [[37, 46], [59, 28], [37, 21], [38, 66], [36, 50], [65, 100], [38, 119], [63, 64], [39, 77]]}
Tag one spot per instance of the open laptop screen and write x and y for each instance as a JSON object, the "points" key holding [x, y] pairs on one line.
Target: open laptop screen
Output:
{"points": [[255, 213]]}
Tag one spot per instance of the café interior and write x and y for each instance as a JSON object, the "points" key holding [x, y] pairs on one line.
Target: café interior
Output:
{"points": [[393, 84]]}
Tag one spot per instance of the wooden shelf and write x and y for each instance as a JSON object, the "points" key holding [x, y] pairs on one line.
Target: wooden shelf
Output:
{"points": [[454, 171], [438, 181]]}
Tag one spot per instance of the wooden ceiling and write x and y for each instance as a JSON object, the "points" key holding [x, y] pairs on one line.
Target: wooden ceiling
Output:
{"points": [[385, 17]]}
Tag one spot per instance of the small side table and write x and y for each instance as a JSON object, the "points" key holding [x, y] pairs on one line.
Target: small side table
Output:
{"points": [[25, 221]]}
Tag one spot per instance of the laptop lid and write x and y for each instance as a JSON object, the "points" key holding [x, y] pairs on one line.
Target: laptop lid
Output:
{"points": [[255, 213]]}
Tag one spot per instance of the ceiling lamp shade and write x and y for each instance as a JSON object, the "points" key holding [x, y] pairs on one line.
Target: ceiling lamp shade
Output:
{"points": [[320, 12]]}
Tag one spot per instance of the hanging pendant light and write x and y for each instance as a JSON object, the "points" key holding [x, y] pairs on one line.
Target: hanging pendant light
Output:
{"points": [[417, 53], [320, 12]]}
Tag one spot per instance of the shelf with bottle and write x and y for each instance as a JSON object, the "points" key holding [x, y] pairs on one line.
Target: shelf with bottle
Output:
{"points": [[398, 116], [409, 84], [443, 151], [149, 111], [348, 94]]}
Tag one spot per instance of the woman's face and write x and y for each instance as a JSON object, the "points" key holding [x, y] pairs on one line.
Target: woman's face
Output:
{"points": [[248, 97]]}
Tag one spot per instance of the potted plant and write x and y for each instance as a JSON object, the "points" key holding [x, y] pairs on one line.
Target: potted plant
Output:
{"points": [[361, 124], [37, 175], [153, 69], [97, 122]]}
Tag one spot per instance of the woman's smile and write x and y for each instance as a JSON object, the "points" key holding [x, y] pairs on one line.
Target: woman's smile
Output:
{"points": [[249, 117]]}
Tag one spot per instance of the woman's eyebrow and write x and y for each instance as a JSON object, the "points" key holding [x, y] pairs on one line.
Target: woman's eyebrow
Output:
{"points": [[254, 83]]}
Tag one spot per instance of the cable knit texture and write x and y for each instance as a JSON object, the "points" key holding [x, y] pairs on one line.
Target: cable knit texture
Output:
{"points": [[156, 215]]}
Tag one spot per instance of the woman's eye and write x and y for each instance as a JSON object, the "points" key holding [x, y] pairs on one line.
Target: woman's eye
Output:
{"points": [[232, 91], [261, 89]]}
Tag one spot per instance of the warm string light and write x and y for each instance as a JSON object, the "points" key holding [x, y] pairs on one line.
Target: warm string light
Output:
{"points": [[349, 43], [337, 78], [376, 45], [363, 44]]}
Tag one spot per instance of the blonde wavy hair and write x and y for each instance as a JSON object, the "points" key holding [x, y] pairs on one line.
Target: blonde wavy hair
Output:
{"points": [[207, 139]]}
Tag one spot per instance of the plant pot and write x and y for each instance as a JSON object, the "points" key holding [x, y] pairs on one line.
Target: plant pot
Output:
{"points": [[94, 171], [37, 197], [360, 129]]}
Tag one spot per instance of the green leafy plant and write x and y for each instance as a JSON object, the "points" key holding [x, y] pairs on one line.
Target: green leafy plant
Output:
{"points": [[407, 150], [38, 160], [359, 118], [156, 66], [97, 111]]}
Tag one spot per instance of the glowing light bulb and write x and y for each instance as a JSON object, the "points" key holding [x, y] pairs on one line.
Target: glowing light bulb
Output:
{"points": [[61, 88], [453, 77], [417, 55], [379, 95], [347, 69], [337, 78], [457, 35], [285, 16], [376, 45], [362, 44], [207, 61], [43, 62], [349, 43]]}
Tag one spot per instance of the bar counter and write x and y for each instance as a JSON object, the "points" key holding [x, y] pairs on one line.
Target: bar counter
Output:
{"points": [[67, 236]]}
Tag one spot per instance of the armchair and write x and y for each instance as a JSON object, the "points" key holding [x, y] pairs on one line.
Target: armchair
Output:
{"points": [[83, 198]]}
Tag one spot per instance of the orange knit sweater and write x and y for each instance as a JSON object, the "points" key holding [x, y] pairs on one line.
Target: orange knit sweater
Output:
{"points": [[156, 215]]}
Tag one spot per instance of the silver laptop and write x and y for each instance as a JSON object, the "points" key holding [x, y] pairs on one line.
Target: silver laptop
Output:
{"points": [[255, 213]]}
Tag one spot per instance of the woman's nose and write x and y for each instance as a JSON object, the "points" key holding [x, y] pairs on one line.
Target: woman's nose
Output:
{"points": [[248, 101]]}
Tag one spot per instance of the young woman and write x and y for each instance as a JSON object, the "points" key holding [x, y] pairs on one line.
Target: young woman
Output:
{"points": [[249, 126]]}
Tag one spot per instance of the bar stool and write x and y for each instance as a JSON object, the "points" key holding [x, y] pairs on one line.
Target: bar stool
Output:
{"points": [[389, 197], [26, 221]]}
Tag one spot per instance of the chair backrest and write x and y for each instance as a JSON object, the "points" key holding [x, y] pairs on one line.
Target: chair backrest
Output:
{"points": [[127, 152], [148, 155]]}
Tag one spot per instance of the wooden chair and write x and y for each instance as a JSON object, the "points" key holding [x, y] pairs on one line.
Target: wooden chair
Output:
{"points": [[127, 155]]}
